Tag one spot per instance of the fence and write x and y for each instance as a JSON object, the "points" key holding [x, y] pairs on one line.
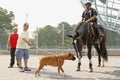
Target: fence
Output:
{"points": [[112, 50]]}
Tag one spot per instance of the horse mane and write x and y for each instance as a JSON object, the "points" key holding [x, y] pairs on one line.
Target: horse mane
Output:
{"points": [[77, 26], [80, 28]]}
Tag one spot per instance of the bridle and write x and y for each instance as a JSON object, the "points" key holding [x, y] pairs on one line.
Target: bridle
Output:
{"points": [[77, 38]]}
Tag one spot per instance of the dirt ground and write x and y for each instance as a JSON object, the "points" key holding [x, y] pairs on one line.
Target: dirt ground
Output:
{"points": [[111, 71]]}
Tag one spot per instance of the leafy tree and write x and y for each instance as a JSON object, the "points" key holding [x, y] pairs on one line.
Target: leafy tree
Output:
{"points": [[52, 36], [6, 18], [67, 30], [48, 36]]}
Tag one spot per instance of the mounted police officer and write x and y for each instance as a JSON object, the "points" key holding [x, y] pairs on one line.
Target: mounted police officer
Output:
{"points": [[90, 15]]}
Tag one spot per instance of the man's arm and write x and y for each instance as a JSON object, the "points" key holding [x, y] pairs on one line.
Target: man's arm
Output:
{"points": [[91, 19], [27, 41], [83, 19], [94, 15]]}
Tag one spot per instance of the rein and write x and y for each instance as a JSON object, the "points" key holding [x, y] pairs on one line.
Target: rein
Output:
{"points": [[77, 38]]}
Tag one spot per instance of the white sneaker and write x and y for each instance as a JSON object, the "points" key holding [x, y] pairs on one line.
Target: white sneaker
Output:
{"points": [[21, 69]]}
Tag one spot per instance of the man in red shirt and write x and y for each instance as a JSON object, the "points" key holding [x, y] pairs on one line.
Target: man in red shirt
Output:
{"points": [[11, 45]]}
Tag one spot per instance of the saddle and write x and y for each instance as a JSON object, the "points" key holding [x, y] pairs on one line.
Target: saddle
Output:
{"points": [[91, 27], [101, 33]]}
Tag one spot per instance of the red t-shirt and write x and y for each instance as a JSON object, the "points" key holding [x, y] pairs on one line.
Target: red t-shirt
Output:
{"points": [[13, 40]]}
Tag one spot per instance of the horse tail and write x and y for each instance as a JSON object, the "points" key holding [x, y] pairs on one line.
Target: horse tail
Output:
{"points": [[103, 48], [104, 53]]}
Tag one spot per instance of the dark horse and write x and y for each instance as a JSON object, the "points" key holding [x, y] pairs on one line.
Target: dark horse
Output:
{"points": [[85, 35]]}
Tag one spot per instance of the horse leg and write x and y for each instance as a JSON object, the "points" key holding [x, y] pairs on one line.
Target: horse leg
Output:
{"points": [[79, 48], [99, 55], [79, 55], [79, 64], [89, 56]]}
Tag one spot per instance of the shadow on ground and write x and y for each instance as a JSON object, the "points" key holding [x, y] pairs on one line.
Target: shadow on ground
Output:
{"points": [[54, 75]]}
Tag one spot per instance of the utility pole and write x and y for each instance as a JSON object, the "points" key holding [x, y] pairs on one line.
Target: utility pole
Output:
{"points": [[37, 48], [62, 38], [26, 17]]}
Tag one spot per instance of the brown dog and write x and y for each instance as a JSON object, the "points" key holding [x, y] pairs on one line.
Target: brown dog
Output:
{"points": [[54, 60]]}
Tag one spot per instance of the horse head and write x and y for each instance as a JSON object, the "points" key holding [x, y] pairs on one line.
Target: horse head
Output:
{"points": [[77, 38], [80, 31]]}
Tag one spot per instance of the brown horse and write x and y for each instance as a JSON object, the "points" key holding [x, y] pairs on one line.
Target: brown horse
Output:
{"points": [[84, 35]]}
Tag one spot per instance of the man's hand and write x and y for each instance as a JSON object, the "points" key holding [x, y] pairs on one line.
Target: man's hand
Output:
{"points": [[91, 19], [87, 21], [29, 44]]}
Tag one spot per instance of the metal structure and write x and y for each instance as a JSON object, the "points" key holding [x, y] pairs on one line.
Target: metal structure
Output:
{"points": [[108, 13]]}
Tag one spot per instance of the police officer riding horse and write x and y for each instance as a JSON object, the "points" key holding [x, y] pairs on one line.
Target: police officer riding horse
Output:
{"points": [[88, 34], [90, 15]]}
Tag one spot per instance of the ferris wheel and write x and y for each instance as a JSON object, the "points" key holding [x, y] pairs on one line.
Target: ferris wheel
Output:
{"points": [[108, 13]]}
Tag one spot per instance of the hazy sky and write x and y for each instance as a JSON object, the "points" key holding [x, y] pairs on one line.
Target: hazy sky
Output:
{"points": [[44, 12]]}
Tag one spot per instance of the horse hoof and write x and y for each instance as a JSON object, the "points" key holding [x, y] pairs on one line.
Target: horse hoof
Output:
{"points": [[78, 70], [98, 65], [91, 70]]}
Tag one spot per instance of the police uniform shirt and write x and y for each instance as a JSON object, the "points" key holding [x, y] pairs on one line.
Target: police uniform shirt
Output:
{"points": [[88, 13]]}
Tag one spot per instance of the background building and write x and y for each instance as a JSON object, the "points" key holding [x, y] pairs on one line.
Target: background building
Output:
{"points": [[109, 13]]}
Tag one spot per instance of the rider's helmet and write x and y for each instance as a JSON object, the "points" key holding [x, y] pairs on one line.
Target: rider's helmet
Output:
{"points": [[88, 3]]}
